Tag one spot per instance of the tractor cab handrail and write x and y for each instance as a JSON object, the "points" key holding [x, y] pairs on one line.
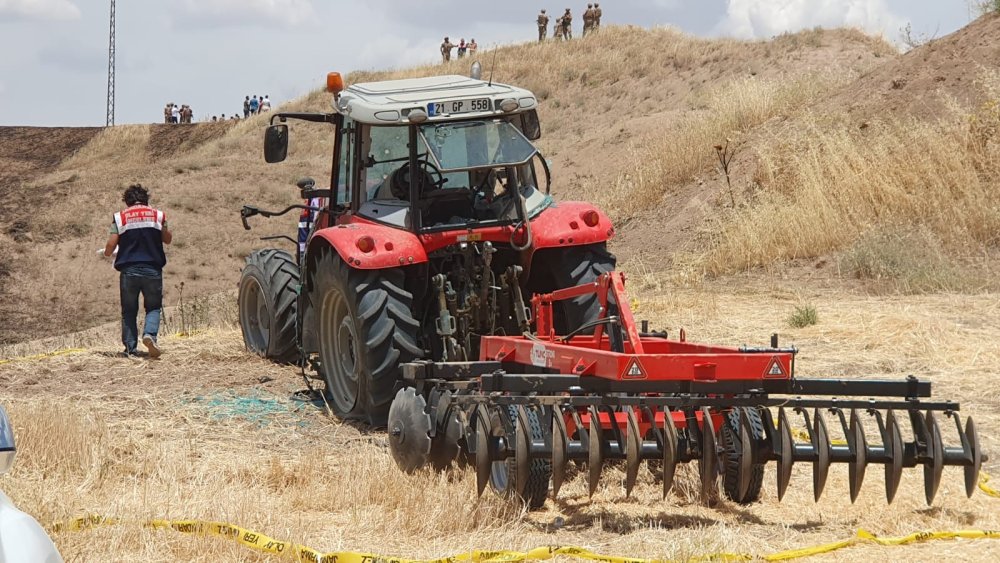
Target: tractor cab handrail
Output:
{"points": [[303, 116], [249, 211]]}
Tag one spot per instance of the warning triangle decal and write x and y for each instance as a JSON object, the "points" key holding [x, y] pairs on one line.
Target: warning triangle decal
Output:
{"points": [[774, 368], [634, 371]]}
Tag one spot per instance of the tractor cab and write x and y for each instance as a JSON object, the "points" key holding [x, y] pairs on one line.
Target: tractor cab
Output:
{"points": [[431, 154]]}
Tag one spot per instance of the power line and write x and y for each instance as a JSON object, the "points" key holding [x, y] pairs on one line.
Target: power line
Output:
{"points": [[111, 70]]}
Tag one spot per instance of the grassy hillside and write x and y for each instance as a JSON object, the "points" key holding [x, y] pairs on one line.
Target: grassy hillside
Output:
{"points": [[603, 100]]}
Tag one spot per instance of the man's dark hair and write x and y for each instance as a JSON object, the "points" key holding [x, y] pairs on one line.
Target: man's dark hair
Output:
{"points": [[136, 195]]}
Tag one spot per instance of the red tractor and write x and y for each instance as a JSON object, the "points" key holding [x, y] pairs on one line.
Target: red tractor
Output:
{"points": [[440, 291]]}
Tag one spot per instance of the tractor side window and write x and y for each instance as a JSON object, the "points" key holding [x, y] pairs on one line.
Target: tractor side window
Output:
{"points": [[387, 153], [346, 163]]}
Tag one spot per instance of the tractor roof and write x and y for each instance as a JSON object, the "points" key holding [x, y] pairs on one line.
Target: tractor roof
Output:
{"points": [[442, 98]]}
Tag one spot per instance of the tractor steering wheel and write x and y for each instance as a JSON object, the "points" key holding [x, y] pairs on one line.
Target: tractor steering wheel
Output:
{"points": [[400, 180]]}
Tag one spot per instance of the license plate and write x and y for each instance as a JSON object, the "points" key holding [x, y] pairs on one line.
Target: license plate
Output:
{"points": [[458, 106]]}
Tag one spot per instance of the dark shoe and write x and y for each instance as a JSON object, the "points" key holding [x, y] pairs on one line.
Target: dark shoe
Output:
{"points": [[150, 344]]}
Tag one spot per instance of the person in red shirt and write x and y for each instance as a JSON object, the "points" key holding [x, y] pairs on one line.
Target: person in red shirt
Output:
{"points": [[139, 233]]}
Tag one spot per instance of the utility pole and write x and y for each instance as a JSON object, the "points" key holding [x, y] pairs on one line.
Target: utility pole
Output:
{"points": [[111, 70]]}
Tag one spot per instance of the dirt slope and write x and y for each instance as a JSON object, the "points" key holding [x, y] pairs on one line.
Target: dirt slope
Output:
{"points": [[920, 82]]}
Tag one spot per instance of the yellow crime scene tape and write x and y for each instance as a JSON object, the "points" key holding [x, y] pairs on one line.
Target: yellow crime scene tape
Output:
{"points": [[265, 544], [65, 352]]}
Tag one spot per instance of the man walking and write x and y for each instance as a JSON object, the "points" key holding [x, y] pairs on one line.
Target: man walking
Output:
{"points": [[139, 232], [543, 26], [254, 105], [446, 48]]}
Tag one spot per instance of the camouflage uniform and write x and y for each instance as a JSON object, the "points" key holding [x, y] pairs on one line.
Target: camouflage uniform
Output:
{"points": [[597, 16], [543, 26], [557, 29], [567, 25], [588, 20], [446, 48]]}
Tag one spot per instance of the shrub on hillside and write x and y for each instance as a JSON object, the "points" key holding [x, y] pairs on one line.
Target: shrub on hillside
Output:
{"points": [[907, 260]]}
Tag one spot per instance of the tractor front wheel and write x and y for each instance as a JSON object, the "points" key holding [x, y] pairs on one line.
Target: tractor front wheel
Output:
{"points": [[365, 330], [267, 304]]}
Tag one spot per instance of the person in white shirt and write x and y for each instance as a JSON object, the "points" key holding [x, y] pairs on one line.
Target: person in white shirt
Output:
{"points": [[265, 104], [175, 114]]}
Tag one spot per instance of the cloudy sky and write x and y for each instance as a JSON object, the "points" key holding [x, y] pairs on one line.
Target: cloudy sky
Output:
{"points": [[211, 53]]}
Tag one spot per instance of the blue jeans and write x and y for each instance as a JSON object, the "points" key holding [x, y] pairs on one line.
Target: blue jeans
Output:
{"points": [[148, 281]]}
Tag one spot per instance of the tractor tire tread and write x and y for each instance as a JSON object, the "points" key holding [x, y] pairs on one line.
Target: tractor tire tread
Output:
{"points": [[731, 451], [278, 276]]}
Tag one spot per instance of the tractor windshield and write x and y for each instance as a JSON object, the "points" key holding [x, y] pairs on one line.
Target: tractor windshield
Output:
{"points": [[476, 144]]}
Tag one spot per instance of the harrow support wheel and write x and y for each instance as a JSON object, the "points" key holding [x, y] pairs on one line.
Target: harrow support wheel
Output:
{"points": [[520, 475], [365, 330], [742, 475], [268, 304]]}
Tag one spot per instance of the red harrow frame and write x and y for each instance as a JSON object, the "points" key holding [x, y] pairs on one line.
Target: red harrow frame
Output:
{"points": [[532, 403]]}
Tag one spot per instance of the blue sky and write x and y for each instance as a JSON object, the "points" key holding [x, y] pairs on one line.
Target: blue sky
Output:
{"points": [[211, 53]]}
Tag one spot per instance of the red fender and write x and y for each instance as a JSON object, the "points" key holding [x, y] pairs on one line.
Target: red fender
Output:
{"points": [[389, 247], [571, 223]]}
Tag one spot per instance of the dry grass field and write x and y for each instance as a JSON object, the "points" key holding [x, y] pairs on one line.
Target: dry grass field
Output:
{"points": [[863, 189], [212, 433]]}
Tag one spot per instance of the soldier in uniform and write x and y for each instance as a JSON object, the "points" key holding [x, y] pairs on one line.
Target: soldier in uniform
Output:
{"points": [[166, 113], [588, 20], [446, 48], [597, 16], [567, 25], [543, 26], [557, 29]]}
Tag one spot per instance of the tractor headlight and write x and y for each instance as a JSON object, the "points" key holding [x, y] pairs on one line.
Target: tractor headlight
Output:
{"points": [[7, 448]]}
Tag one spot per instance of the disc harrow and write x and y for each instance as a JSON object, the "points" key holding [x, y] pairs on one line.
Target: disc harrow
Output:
{"points": [[537, 406]]}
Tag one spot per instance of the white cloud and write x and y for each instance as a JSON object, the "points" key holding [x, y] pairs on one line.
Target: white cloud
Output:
{"points": [[766, 18], [214, 13], [39, 9]]}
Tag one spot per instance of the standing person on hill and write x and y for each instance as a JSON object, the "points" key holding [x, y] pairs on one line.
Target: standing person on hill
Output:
{"points": [[543, 26], [557, 29], [175, 113], [597, 16], [166, 113], [567, 25], [265, 104], [462, 48], [446, 48], [246, 107], [472, 47], [588, 20], [139, 232], [254, 105]]}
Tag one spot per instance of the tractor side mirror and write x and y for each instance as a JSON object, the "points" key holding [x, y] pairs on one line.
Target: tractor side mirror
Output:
{"points": [[276, 143], [7, 448], [306, 183], [530, 125]]}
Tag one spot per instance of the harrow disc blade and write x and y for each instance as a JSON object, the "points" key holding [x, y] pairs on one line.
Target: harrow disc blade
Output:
{"points": [[709, 456], [746, 455], [859, 447], [482, 441], [935, 449], [409, 430], [522, 457], [894, 449], [785, 448], [972, 471], [821, 444], [669, 452], [595, 461], [560, 451], [633, 441]]}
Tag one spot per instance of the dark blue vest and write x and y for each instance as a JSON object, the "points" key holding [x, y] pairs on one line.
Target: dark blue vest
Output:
{"points": [[140, 237]]}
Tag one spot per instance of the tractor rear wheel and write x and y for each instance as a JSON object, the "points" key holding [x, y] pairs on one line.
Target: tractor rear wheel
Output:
{"points": [[365, 330], [732, 450], [267, 304], [568, 267]]}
